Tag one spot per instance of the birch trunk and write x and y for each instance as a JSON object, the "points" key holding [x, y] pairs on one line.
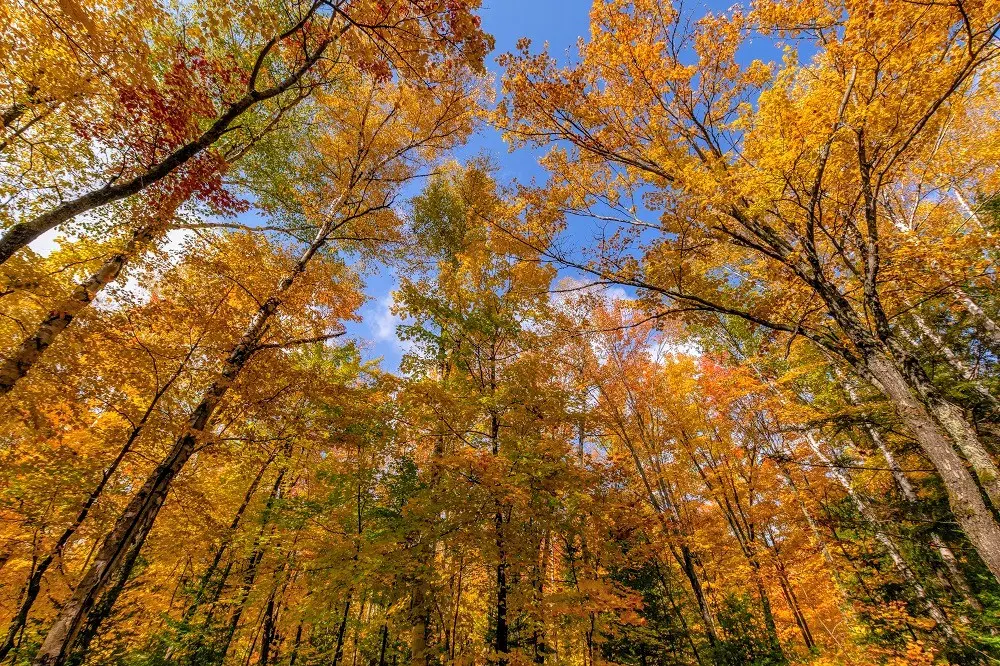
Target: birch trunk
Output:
{"points": [[933, 610], [21, 360]]}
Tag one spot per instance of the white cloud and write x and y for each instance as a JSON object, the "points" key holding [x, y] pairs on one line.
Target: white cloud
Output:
{"points": [[45, 244], [385, 321], [382, 324], [664, 347]]}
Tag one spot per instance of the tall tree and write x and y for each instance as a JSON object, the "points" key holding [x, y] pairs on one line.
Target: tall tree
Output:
{"points": [[770, 187]]}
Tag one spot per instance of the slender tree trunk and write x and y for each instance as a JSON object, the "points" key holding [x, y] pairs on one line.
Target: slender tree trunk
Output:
{"points": [[955, 576], [538, 591], [673, 604], [691, 573], [338, 654], [135, 522], [810, 521], [295, 646], [268, 632], [743, 531], [458, 608], [501, 643], [34, 583], [990, 328], [250, 571], [792, 600], [419, 601], [769, 624], [957, 364], [933, 610], [385, 641], [671, 527], [206, 580], [502, 639]]}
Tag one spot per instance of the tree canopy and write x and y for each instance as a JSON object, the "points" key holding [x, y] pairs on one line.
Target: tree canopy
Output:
{"points": [[721, 387]]}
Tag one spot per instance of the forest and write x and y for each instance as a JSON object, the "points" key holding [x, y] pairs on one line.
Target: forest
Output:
{"points": [[714, 381]]}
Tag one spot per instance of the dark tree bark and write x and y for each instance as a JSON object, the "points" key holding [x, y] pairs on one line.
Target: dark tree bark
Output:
{"points": [[23, 233], [294, 656], [385, 640], [136, 521], [208, 577], [502, 639], [268, 632], [338, 653]]}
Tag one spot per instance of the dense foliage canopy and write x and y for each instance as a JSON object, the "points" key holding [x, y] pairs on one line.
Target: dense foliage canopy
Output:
{"points": [[721, 388]]}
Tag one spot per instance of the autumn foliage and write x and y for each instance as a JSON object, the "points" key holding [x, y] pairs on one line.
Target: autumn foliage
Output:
{"points": [[720, 388]]}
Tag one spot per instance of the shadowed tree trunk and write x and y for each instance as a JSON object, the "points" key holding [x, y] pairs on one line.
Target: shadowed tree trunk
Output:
{"points": [[103, 609], [136, 521], [338, 653], [933, 610], [34, 582], [385, 640], [955, 576], [249, 571]]}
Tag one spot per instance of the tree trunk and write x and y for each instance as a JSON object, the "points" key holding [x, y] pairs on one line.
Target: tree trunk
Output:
{"points": [[538, 591], [21, 360], [338, 654], [765, 603], [673, 604], [502, 640], [792, 600], [957, 364], [671, 526], [418, 629], [136, 521], [990, 328], [385, 641], [743, 531], [964, 497], [933, 610], [206, 579], [906, 491], [102, 610], [250, 572], [295, 646], [34, 583], [268, 633]]}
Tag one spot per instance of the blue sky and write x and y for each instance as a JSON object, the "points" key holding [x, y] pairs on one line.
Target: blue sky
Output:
{"points": [[560, 23]]}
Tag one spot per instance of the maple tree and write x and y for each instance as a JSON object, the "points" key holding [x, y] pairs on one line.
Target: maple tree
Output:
{"points": [[753, 421], [778, 193]]}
